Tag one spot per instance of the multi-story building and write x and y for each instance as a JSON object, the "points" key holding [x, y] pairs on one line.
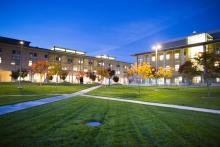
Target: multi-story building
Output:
{"points": [[174, 53], [16, 53]]}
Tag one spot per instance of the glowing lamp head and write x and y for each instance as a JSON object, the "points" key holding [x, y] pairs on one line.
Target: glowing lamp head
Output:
{"points": [[158, 46], [21, 42]]}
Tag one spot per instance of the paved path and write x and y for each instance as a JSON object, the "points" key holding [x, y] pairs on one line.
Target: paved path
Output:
{"points": [[29, 104], [156, 104]]}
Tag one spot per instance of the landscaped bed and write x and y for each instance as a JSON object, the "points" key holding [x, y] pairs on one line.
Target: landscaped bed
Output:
{"points": [[10, 93], [64, 123], [189, 96]]}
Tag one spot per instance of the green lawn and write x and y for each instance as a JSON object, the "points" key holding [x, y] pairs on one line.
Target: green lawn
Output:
{"points": [[188, 96], [63, 124], [8, 91]]}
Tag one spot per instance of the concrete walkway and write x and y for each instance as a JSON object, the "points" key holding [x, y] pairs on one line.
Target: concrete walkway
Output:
{"points": [[156, 104], [29, 104]]}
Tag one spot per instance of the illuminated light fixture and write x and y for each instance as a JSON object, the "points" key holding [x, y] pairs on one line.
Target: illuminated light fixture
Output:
{"points": [[105, 57], [21, 42]]}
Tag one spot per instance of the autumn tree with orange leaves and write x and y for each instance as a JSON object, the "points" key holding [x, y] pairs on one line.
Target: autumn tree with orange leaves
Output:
{"points": [[41, 68]]}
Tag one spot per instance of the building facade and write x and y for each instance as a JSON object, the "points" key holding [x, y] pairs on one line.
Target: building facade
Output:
{"points": [[175, 53], [16, 54]]}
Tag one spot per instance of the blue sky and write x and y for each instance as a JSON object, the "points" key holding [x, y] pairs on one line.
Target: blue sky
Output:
{"points": [[115, 27]]}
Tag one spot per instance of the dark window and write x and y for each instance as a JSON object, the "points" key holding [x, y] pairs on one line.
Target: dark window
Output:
{"points": [[0, 50], [35, 54], [31, 54], [118, 65], [58, 59], [45, 56], [70, 60], [13, 51], [90, 63]]}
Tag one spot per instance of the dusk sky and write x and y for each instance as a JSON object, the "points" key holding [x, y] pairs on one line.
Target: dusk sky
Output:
{"points": [[115, 27]]}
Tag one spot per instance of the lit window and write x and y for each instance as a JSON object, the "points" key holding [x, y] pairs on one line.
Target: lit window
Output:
{"points": [[176, 55], [167, 56], [167, 66], [81, 61], [118, 72], [216, 64], [85, 69], [29, 63], [177, 67], [161, 57], [0, 59], [153, 58], [218, 80], [12, 63], [74, 68]]}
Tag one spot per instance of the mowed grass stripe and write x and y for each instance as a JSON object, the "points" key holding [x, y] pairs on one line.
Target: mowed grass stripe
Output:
{"points": [[63, 124]]}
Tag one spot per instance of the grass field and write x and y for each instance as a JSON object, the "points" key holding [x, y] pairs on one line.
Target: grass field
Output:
{"points": [[188, 96], [63, 124], [10, 94]]}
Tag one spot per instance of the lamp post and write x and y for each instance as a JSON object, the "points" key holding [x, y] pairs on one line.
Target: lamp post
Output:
{"points": [[20, 66], [156, 48]]}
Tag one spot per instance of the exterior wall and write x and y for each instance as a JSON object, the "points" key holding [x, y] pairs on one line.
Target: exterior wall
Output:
{"points": [[10, 61]]}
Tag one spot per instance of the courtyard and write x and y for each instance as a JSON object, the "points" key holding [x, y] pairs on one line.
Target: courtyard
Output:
{"points": [[63, 123]]}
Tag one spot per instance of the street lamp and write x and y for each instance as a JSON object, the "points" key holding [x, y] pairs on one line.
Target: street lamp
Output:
{"points": [[20, 66], [156, 48]]}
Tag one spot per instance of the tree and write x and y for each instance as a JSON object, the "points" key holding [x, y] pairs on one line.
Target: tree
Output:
{"points": [[55, 69], [14, 74], [63, 74], [116, 79], [40, 67], [164, 73], [80, 75], [24, 73], [110, 74], [210, 63], [103, 73], [92, 76], [143, 71], [188, 70]]}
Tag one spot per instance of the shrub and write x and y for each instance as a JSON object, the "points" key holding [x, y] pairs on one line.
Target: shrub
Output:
{"points": [[115, 79], [14, 74]]}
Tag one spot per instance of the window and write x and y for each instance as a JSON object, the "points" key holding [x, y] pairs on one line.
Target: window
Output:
{"points": [[177, 67], [13, 63], [0, 50], [13, 51], [176, 55], [216, 64], [45, 56], [118, 65], [110, 65], [167, 66], [161, 57], [167, 56], [69, 60], [0, 59], [153, 58], [58, 59], [80, 61], [31, 55], [117, 72], [30, 63], [35, 54]]}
